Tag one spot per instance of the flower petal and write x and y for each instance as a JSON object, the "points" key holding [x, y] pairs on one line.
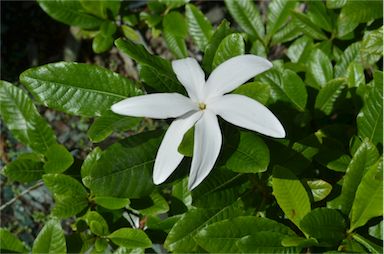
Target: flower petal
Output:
{"points": [[206, 148], [191, 76], [233, 73], [168, 158], [157, 105], [247, 113]]}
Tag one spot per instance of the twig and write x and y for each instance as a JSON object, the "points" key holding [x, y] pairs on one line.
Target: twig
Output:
{"points": [[10, 202]]}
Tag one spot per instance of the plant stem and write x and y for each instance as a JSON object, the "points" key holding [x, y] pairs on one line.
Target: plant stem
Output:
{"points": [[10, 202]]}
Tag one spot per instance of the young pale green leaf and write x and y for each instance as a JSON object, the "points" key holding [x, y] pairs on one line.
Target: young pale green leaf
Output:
{"points": [[222, 236], [328, 95], [103, 40], [362, 11], [58, 159], [369, 245], [79, 89], [9, 243], [350, 54], [255, 90], [232, 45], [50, 239], [368, 201], [264, 242], [89, 162], [182, 236], [376, 231], [109, 122], [370, 118], [199, 26], [23, 119], [299, 50], [355, 75], [112, 203], [130, 238], [371, 46], [326, 225], [278, 13], [222, 31], [320, 69], [296, 241], [124, 169], [319, 15], [175, 31], [303, 23], [251, 155], [290, 194], [246, 14], [97, 224], [103, 9], [320, 189], [24, 170], [71, 13], [365, 156]]}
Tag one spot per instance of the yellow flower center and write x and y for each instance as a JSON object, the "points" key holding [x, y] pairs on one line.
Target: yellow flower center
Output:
{"points": [[202, 106]]}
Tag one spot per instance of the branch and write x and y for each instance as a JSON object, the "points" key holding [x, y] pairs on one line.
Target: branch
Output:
{"points": [[10, 202]]}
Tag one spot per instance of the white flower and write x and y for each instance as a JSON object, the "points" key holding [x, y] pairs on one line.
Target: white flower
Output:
{"points": [[207, 99]]}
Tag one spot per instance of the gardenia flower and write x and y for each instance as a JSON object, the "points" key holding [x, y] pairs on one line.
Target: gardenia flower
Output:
{"points": [[207, 99]]}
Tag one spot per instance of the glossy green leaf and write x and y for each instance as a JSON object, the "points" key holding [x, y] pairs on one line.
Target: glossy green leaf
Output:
{"points": [[23, 119], [159, 206], [104, 8], [103, 40], [264, 242], [10, 243], [296, 241], [303, 22], [182, 236], [319, 15], [370, 118], [320, 69], [175, 31], [362, 11], [111, 202], [376, 231], [222, 31], [131, 34], [130, 238], [96, 223], [124, 169], [71, 13], [368, 201], [258, 49], [255, 90], [108, 123], [365, 156], [89, 163], [67, 206], [155, 71], [355, 75], [299, 50], [222, 236], [335, 4], [246, 14], [326, 225], [328, 95], [289, 32], [199, 26], [371, 46], [345, 27], [24, 170], [232, 45], [319, 188], [371, 247], [50, 239], [290, 194], [58, 159], [278, 13], [79, 89], [250, 156], [350, 54]]}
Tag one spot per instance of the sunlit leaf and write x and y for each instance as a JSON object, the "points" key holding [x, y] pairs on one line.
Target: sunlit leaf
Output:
{"points": [[198, 26], [50, 239]]}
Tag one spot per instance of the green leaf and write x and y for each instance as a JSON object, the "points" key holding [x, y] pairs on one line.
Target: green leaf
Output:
{"points": [[251, 155], [199, 26], [365, 156], [159, 206], [89, 162], [319, 15], [111, 202], [278, 13], [124, 169], [326, 225], [287, 33], [264, 242], [97, 224], [103, 40], [320, 189], [222, 236], [175, 31], [368, 201], [108, 123], [23, 119], [371, 247], [50, 239], [362, 11], [79, 89], [24, 170], [58, 159], [104, 8], [355, 75], [182, 236], [320, 69], [70, 12], [350, 54], [335, 4], [155, 71], [174, 3], [232, 45], [67, 206], [296, 241], [290, 194], [258, 49], [328, 95], [255, 90], [299, 50], [130, 238], [370, 118], [10, 243], [371, 46], [376, 231], [246, 14], [221, 32], [303, 22]]}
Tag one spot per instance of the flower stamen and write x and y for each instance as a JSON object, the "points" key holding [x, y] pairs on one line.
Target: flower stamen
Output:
{"points": [[202, 106]]}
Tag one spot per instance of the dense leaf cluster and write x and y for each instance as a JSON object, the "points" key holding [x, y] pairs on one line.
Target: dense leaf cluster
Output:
{"points": [[320, 189]]}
